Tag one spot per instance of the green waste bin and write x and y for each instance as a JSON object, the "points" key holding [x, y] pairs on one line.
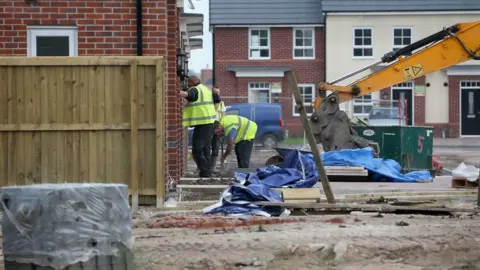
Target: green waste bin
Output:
{"points": [[411, 146]]}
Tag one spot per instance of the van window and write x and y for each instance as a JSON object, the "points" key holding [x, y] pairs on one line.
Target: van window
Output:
{"points": [[233, 112]]}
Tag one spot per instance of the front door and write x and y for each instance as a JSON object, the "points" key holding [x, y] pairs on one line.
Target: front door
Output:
{"points": [[405, 94], [470, 101]]}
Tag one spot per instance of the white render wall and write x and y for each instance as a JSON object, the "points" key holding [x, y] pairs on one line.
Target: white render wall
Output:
{"points": [[339, 50]]}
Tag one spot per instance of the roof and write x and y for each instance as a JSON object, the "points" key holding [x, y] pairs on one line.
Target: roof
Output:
{"points": [[399, 5], [258, 12]]}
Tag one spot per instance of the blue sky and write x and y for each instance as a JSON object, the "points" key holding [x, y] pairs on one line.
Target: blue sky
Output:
{"points": [[201, 57]]}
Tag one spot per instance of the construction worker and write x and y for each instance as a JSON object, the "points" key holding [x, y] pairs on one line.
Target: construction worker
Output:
{"points": [[220, 109], [200, 114], [241, 132]]}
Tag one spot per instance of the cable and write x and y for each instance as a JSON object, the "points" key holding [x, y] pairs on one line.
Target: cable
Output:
{"points": [[470, 53]]}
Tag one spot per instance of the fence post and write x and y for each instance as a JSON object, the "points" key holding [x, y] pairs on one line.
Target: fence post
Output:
{"points": [[133, 133], [160, 131]]}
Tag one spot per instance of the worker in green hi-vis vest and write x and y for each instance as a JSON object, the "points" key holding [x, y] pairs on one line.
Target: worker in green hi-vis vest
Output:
{"points": [[241, 132]]}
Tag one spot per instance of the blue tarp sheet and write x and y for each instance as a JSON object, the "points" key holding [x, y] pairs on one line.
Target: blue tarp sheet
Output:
{"points": [[299, 171]]}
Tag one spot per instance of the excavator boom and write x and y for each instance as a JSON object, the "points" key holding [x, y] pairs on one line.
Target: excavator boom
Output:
{"points": [[448, 47], [451, 46]]}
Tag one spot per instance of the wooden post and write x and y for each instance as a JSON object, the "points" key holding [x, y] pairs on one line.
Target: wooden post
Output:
{"points": [[311, 139], [478, 192], [133, 133], [160, 132]]}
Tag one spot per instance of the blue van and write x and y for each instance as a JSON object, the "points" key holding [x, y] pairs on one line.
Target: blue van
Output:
{"points": [[268, 117]]}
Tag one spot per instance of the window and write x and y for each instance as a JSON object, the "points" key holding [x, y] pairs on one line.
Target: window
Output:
{"points": [[52, 41], [259, 44], [307, 91], [259, 92], [362, 42], [303, 43], [401, 37], [362, 105]]}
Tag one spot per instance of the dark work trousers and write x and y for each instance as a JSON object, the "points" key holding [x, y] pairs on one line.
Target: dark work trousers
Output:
{"points": [[215, 142], [243, 151], [201, 148]]}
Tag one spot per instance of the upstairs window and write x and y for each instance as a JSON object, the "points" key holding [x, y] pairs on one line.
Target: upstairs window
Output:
{"points": [[362, 42], [259, 44], [303, 43], [402, 36]]}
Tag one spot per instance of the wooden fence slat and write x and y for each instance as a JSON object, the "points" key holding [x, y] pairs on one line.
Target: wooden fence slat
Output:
{"points": [[160, 133], [133, 134]]}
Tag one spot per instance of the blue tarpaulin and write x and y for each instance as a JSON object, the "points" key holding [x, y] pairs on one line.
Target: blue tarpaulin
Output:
{"points": [[298, 170]]}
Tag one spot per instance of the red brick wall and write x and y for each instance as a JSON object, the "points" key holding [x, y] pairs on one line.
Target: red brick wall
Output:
{"points": [[107, 27], [231, 48]]}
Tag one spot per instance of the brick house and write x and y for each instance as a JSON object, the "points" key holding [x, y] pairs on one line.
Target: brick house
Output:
{"points": [[255, 43], [359, 33], [108, 27]]}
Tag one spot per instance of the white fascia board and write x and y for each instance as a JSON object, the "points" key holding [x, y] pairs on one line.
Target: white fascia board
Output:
{"points": [[265, 73], [402, 13], [463, 71], [266, 25]]}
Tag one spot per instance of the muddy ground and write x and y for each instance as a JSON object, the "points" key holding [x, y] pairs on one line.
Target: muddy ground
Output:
{"points": [[355, 241]]}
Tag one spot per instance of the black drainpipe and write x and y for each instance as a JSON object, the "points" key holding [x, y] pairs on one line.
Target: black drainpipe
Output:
{"points": [[213, 55], [139, 28]]}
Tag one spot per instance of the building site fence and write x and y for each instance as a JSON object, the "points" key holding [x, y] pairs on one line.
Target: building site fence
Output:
{"points": [[83, 120]]}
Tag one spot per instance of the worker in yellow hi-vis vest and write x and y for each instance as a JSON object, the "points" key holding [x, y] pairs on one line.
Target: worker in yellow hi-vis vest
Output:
{"points": [[241, 132], [200, 114]]}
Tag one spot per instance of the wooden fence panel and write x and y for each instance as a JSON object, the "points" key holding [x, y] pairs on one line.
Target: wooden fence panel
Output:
{"points": [[69, 120]]}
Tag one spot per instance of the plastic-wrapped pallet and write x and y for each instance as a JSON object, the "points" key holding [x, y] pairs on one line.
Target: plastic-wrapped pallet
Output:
{"points": [[56, 226]]}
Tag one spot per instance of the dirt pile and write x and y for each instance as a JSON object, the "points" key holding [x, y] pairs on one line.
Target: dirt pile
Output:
{"points": [[322, 242]]}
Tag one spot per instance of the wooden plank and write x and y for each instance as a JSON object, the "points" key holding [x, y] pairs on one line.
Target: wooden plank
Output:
{"points": [[94, 77], [12, 109], [44, 117], [100, 137], [84, 144], [300, 193], [78, 61], [60, 136], [141, 135], [78, 86], [109, 118], [30, 87], [364, 207], [160, 131], [311, 139], [133, 134], [51, 144]]}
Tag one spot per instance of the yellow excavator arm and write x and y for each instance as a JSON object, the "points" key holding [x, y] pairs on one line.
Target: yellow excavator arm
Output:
{"points": [[448, 47]]}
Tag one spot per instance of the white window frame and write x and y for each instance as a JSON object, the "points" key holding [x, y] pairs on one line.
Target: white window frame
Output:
{"points": [[304, 47], [56, 31], [314, 95], [268, 86], [361, 102], [410, 86], [395, 47], [250, 48], [362, 46]]}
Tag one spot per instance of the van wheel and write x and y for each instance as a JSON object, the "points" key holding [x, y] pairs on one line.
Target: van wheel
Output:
{"points": [[269, 141]]}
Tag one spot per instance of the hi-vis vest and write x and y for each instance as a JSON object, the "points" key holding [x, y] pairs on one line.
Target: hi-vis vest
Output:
{"points": [[220, 110], [246, 129], [202, 111]]}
